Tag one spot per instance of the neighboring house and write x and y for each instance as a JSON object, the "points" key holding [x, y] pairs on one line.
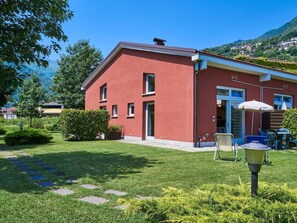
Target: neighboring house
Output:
{"points": [[176, 95], [8, 113], [51, 109]]}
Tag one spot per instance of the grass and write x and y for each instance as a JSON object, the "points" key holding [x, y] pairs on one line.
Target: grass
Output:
{"points": [[136, 169]]}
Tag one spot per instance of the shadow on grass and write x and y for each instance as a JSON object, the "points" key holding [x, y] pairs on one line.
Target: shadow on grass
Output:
{"points": [[100, 167]]}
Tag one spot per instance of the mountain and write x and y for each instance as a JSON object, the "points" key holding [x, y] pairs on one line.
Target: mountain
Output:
{"points": [[281, 31], [46, 73], [276, 44]]}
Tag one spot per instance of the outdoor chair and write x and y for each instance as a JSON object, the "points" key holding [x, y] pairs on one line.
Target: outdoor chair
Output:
{"points": [[225, 142], [273, 141]]}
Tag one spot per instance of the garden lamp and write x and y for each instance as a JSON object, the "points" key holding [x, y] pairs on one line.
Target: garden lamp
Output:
{"points": [[255, 152]]}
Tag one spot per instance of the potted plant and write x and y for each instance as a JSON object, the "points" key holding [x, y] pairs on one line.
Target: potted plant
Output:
{"points": [[114, 132]]}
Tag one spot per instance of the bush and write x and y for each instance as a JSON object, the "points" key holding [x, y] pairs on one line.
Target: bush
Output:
{"points": [[83, 125], [2, 131], [290, 120], [115, 128], [37, 124], [219, 203], [26, 137]]}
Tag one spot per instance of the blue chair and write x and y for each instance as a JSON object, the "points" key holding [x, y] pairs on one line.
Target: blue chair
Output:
{"points": [[273, 141]]}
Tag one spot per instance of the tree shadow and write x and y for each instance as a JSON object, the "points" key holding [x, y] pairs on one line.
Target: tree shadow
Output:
{"points": [[101, 167]]}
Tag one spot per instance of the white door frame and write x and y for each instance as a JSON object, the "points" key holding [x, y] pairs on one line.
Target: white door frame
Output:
{"points": [[147, 122], [229, 100]]}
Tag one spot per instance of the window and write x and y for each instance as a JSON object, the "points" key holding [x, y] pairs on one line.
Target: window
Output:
{"points": [[131, 109], [226, 93], [102, 107], [103, 93], [114, 111], [280, 99], [149, 83]]}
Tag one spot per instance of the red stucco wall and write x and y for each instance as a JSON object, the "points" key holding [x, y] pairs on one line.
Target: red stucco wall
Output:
{"points": [[173, 98], [212, 77]]}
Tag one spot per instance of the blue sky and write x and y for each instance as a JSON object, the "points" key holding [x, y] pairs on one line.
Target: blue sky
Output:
{"points": [[185, 23]]}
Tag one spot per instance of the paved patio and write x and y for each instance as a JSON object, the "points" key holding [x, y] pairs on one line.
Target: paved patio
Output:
{"points": [[176, 146]]}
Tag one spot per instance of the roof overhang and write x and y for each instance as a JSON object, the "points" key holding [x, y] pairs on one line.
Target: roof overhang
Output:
{"points": [[176, 51], [265, 74]]}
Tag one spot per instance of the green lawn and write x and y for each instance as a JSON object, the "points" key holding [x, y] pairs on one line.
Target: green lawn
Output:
{"points": [[135, 169]]}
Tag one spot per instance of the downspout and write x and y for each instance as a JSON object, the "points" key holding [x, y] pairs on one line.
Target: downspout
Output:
{"points": [[196, 72]]}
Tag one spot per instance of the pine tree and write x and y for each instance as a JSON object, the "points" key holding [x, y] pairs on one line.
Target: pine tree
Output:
{"points": [[74, 67], [31, 94]]}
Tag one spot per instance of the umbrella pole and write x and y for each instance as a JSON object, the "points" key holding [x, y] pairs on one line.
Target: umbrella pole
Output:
{"points": [[252, 124]]}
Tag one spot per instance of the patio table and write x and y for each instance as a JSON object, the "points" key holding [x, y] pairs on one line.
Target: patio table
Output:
{"points": [[284, 138]]}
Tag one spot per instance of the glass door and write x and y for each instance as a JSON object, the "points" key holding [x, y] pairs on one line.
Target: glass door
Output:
{"points": [[236, 122], [150, 120], [229, 119]]}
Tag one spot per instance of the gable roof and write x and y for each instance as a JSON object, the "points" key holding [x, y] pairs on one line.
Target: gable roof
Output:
{"points": [[176, 51], [211, 59]]}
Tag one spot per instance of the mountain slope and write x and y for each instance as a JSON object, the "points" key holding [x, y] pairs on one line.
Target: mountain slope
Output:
{"points": [[281, 31], [276, 44]]}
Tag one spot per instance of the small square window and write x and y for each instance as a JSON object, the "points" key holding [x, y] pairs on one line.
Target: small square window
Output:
{"points": [[114, 111], [102, 107], [131, 109], [103, 92], [150, 83]]}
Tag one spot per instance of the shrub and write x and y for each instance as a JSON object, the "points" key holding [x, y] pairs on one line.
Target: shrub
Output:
{"points": [[2, 120], [115, 128], [219, 203], [290, 120], [2, 131], [37, 124], [26, 137], [83, 125]]}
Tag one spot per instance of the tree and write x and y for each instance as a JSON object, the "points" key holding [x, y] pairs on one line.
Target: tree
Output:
{"points": [[74, 68], [31, 94], [24, 25]]}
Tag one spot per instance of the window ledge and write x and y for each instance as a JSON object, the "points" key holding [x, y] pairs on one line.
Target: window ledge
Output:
{"points": [[130, 116], [104, 100], [114, 116], [148, 94]]}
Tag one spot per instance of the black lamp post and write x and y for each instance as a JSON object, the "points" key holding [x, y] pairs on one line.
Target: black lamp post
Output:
{"points": [[255, 153]]}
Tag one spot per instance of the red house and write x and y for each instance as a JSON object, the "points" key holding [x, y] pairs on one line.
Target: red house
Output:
{"points": [[175, 95]]}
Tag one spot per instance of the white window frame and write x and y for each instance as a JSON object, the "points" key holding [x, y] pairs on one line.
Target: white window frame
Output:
{"points": [[115, 111], [130, 105], [280, 104], [147, 83], [104, 93]]}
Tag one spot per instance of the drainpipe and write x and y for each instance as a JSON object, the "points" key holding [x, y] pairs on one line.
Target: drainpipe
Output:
{"points": [[196, 72]]}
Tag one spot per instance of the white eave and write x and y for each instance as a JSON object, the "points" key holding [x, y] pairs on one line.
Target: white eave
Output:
{"points": [[265, 74], [176, 51]]}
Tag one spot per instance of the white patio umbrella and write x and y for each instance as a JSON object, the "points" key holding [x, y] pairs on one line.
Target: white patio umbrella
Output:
{"points": [[255, 106]]}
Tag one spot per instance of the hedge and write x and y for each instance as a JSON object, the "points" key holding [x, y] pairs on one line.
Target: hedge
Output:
{"points": [[27, 137], [2, 131], [219, 203], [290, 120], [83, 125]]}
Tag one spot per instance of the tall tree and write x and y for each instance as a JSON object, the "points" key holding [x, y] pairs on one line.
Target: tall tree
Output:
{"points": [[31, 94], [74, 67], [24, 25]]}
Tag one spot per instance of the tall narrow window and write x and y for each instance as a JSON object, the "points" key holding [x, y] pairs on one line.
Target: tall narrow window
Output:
{"points": [[131, 109], [150, 83], [103, 93], [114, 111]]}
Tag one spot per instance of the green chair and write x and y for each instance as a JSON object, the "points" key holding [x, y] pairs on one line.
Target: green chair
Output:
{"points": [[225, 142]]}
